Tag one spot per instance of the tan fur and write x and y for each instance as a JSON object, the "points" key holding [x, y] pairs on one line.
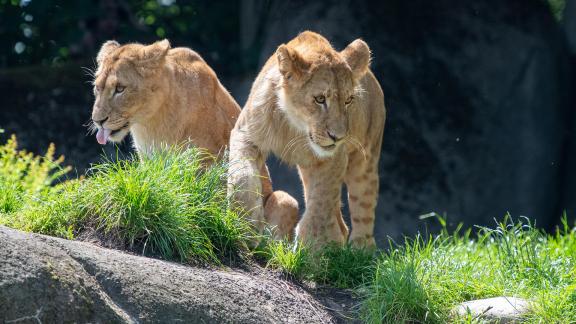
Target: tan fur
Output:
{"points": [[171, 97], [334, 143]]}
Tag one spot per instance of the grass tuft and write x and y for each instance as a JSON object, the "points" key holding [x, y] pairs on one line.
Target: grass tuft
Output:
{"points": [[333, 265], [166, 205], [292, 259], [169, 205]]}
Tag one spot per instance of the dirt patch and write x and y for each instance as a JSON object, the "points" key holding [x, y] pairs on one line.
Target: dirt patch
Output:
{"points": [[92, 236], [342, 304]]}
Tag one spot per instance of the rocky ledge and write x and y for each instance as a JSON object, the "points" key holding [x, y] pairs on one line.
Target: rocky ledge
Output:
{"points": [[50, 280]]}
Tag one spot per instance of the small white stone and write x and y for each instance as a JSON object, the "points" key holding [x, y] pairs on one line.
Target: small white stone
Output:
{"points": [[497, 309]]}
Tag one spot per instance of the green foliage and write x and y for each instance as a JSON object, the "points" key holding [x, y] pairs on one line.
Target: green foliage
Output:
{"points": [[24, 176], [169, 205], [398, 295], [333, 265], [55, 212], [421, 280], [557, 8], [52, 32], [290, 258], [341, 267]]}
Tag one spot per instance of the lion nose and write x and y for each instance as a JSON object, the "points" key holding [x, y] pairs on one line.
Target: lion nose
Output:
{"points": [[100, 122], [335, 137]]}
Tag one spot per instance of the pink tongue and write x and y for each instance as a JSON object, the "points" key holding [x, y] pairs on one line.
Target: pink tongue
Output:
{"points": [[102, 135]]}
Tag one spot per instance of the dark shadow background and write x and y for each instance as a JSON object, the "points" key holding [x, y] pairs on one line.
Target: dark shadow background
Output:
{"points": [[480, 93]]}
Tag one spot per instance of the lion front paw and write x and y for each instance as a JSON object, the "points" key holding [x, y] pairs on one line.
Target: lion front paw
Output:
{"points": [[317, 235], [366, 241]]}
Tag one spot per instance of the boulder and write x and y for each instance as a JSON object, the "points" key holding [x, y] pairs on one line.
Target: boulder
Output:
{"points": [[50, 280]]}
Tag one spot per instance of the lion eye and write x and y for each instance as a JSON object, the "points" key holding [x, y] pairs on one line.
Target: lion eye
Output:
{"points": [[120, 89], [349, 100], [320, 99]]}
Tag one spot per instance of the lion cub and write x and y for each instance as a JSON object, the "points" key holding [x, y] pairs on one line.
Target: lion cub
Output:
{"points": [[320, 110], [162, 96]]}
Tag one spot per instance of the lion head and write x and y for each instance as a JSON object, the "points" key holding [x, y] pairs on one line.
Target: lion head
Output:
{"points": [[126, 86], [318, 88]]}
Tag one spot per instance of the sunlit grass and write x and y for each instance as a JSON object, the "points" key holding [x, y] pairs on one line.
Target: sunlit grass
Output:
{"points": [[421, 280], [24, 176], [169, 205], [333, 265], [172, 206]]}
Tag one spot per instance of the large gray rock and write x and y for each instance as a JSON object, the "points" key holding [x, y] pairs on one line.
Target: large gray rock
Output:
{"points": [[476, 97], [58, 281]]}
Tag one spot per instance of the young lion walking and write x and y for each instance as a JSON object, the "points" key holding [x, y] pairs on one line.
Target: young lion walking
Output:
{"points": [[320, 110]]}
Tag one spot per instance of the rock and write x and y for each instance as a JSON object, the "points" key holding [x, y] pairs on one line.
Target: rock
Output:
{"points": [[569, 189], [569, 22], [496, 310], [477, 103], [52, 280]]}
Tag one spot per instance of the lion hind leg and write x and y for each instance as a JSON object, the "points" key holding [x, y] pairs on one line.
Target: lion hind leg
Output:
{"points": [[281, 214]]}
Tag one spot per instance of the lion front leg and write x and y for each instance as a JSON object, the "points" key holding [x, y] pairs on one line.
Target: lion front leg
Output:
{"points": [[244, 180], [362, 182], [322, 221]]}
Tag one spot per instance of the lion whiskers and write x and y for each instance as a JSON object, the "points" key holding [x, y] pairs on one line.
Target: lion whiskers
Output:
{"points": [[356, 143], [292, 145]]}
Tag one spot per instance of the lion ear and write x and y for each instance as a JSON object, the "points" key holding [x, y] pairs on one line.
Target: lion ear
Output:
{"points": [[105, 50], [154, 53], [290, 63], [357, 55]]}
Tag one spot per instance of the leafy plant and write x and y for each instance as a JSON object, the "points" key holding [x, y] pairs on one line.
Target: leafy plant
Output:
{"points": [[24, 176]]}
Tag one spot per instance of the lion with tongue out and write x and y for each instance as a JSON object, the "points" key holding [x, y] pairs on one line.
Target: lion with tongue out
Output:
{"points": [[162, 96]]}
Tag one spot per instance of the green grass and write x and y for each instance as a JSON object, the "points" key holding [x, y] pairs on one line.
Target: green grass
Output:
{"points": [[422, 279], [336, 266], [169, 206]]}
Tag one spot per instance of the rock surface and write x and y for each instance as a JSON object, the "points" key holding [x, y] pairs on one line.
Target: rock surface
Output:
{"points": [[50, 280], [496, 310]]}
